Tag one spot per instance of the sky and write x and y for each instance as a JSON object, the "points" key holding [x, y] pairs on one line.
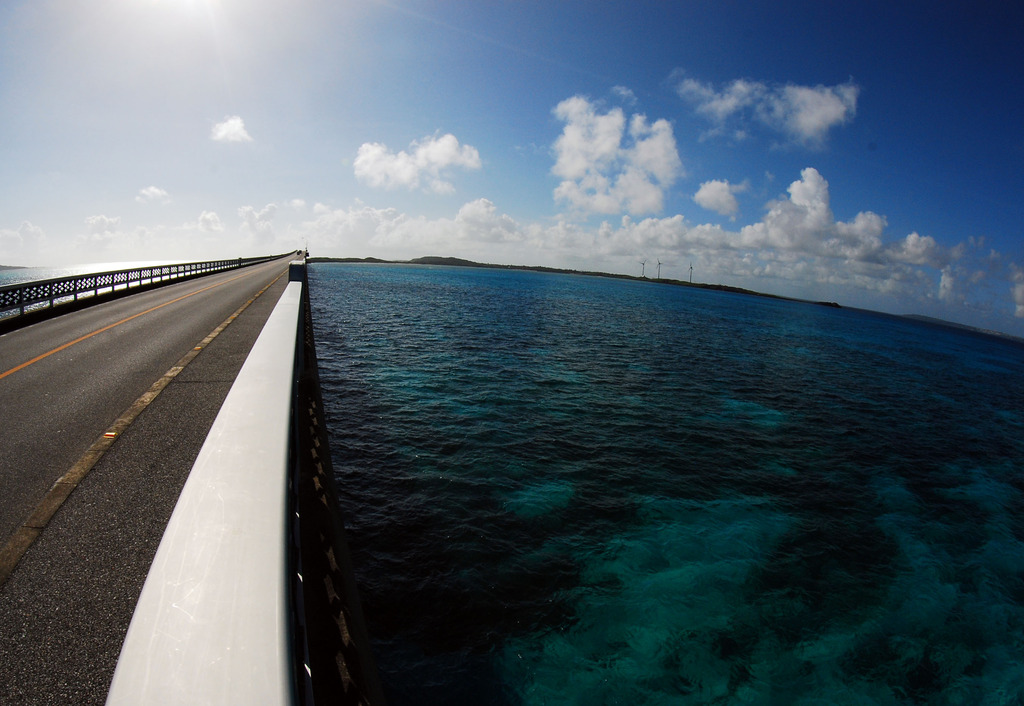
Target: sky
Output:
{"points": [[867, 153]]}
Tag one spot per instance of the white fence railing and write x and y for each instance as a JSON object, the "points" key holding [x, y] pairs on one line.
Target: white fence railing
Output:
{"points": [[26, 297]]}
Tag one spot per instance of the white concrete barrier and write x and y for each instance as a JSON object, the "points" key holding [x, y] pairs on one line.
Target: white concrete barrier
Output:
{"points": [[212, 625]]}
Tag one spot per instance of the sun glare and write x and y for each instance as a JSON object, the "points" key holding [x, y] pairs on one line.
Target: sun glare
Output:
{"points": [[190, 6], [187, 13]]}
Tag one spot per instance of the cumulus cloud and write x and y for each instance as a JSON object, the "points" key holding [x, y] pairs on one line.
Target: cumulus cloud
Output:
{"points": [[804, 223], [105, 234], [11, 241], [798, 242], [719, 195], [624, 94], [477, 226], [424, 166], [948, 286], [231, 129], [259, 222], [608, 166], [1018, 290], [798, 237], [720, 104], [480, 220], [98, 225], [805, 114], [350, 229], [808, 113], [798, 247], [152, 194], [209, 222], [25, 241], [920, 250]]}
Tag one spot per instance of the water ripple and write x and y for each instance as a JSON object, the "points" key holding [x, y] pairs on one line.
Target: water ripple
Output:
{"points": [[579, 490]]}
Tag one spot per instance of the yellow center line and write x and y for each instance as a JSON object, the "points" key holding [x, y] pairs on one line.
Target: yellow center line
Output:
{"points": [[98, 331]]}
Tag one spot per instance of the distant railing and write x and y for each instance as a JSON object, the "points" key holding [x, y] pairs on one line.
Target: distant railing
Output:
{"points": [[27, 297]]}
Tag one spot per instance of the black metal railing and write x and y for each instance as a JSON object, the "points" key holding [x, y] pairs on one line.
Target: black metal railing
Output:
{"points": [[28, 297], [331, 647]]}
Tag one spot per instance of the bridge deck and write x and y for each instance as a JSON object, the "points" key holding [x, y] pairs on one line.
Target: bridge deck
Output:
{"points": [[65, 609]]}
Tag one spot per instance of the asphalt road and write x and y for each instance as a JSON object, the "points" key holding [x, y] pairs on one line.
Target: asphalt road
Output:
{"points": [[54, 409], [65, 608]]}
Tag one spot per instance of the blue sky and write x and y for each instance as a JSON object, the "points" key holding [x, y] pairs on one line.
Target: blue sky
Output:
{"points": [[866, 153]]}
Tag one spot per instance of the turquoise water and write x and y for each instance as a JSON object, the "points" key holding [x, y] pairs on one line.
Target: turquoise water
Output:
{"points": [[576, 490]]}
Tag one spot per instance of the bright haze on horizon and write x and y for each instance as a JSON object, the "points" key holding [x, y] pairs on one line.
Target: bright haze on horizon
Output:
{"points": [[866, 153]]}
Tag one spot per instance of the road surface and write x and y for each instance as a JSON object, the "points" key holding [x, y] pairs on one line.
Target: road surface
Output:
{"points": [[64, 383]]}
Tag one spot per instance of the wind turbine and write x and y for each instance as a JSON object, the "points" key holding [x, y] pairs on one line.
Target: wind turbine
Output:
{"points": [[691, 272], [659, 269], [643, 264]]}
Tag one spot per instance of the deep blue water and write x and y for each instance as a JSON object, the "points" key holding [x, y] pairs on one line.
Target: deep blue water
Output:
{"points": [[577, 490]]}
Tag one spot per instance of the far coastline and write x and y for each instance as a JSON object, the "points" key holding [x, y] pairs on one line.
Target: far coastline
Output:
{"points": [[459, 262], [436, 261]]}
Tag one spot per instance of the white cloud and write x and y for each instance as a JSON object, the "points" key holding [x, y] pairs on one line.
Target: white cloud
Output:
{"points": [[948, 289], [609, 168], [11, 241], [624, 94], [24, 242], [259, 222], [589, 142], [798, 243], [231, 129], [797, 248], [106, 237], [426, 163], [804, 223], [153, 194], [349, 230], [805, 114], [719, 195], [798, 236], [99, 225], [480, 221], [1018, 290], [808, 113], [719, 105], [478, 230], [209, 222], [920, 250]]}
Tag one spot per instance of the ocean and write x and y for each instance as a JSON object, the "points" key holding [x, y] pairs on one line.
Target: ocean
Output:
{"points": [[566, 489], [20, 275]]}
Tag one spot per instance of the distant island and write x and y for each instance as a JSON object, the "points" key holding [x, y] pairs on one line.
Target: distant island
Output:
{"points": [[459, 262], [963, 327]]}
